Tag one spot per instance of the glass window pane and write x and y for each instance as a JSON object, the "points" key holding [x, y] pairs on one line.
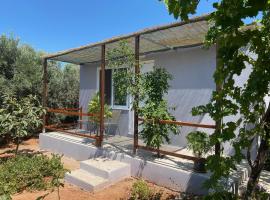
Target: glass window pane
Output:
{"points": [[119, 90], [108, 85]]}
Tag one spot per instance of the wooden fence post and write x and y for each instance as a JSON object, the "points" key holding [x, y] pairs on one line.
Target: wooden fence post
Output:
{"points": [[102, 95], [136, 97], [45, 92], [218, 122], [81, 117]]}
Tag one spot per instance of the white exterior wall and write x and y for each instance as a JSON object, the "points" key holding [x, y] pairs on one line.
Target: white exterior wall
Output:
{"points": [[88, 84], [88, 88], [192, 85]]}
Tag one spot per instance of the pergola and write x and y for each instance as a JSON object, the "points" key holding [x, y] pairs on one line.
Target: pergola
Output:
{"points": [[169, 37]]}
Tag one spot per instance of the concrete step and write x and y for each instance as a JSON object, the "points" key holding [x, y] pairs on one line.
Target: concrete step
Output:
{"points": [[110, 169], [86, 180]]}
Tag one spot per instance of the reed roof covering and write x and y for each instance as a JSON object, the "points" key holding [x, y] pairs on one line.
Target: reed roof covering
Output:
{"points": [[156, 39]]}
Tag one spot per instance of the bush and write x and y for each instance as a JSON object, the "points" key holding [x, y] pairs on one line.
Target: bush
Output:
{"points": [[141, 191], [198, 142], [155, 108], [29, 172], [94, 108]]}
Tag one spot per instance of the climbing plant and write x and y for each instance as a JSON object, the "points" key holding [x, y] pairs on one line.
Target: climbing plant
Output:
{"points": [[240, 48], [122, 61]]}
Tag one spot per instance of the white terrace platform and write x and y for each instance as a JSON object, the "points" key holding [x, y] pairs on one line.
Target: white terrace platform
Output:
{"points": [[171, 172]]}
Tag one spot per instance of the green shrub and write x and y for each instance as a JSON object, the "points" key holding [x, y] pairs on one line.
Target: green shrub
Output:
{"points": [[141, 191], [94, 108], [29, 172], [198, 142], [153, 133]]}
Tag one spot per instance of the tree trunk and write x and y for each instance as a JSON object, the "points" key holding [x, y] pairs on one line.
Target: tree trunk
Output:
{"points": [[58, 192], [17, 146], [261, 157], [158, 153]]}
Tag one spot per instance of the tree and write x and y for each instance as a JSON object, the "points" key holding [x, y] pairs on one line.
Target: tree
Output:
{"points": [[28, 73], [8, 54], [21, 74], [149, 88], [229, 31], [19, 117], [155, 108]]}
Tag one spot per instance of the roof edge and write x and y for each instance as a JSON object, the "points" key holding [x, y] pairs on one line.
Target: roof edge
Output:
{"points": [[122, 37]]}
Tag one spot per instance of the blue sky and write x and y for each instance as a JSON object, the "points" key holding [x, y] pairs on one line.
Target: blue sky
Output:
{"points": [[54, 25]]}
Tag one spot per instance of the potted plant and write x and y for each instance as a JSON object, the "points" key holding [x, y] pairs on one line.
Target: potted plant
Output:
{"points": [[198, 143], [94, 107]]}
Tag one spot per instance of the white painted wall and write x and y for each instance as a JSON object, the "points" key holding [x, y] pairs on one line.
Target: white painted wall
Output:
{"points": [[192, 85], [88, 88], [88, 84]]}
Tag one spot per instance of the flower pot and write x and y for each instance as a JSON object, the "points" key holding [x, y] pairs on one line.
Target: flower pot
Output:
{"points": [[199, 165]]}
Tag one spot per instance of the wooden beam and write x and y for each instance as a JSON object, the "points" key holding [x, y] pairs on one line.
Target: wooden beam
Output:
{"points": [[181, 123], [136, 97], [174, 154], [66, 112], [81, 116], [102, 95], [153, 52], [218, 122], [45, 92]]}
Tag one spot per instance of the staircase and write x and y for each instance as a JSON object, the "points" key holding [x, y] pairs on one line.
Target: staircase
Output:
{"points": [[96, 174]]}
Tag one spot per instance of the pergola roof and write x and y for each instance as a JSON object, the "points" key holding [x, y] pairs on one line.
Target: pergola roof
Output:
{"points": [[161, 38]]}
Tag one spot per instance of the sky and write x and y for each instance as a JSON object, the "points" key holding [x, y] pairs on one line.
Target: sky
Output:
{"points": [[55, 25]]}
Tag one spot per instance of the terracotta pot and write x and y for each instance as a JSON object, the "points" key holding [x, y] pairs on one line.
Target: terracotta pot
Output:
{"points": [[199, 165]]}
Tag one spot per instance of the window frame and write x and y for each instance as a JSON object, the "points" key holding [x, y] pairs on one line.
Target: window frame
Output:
{"points": [[112, 106]]}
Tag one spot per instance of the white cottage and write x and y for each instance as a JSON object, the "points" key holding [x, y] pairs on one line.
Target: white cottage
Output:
{"points": [[178, 47]]}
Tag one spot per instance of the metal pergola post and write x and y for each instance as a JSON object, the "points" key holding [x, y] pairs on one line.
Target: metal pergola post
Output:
{"points": [[102, 95], [45, 91], [136, 97]]}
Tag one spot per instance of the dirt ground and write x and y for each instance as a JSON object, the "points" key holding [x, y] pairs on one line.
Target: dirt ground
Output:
{"points": [[120, 190]]}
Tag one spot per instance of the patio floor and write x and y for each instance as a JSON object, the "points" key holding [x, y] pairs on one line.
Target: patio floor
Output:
{"points": [[124, 144]]}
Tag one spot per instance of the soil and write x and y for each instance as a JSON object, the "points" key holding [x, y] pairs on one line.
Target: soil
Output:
{"points": [[120, 190]]}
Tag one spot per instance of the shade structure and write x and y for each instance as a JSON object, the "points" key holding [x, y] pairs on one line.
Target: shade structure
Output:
{"points": [[160, 38]]}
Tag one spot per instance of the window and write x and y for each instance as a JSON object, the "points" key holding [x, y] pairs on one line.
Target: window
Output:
{"points": [[112, 95]]}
